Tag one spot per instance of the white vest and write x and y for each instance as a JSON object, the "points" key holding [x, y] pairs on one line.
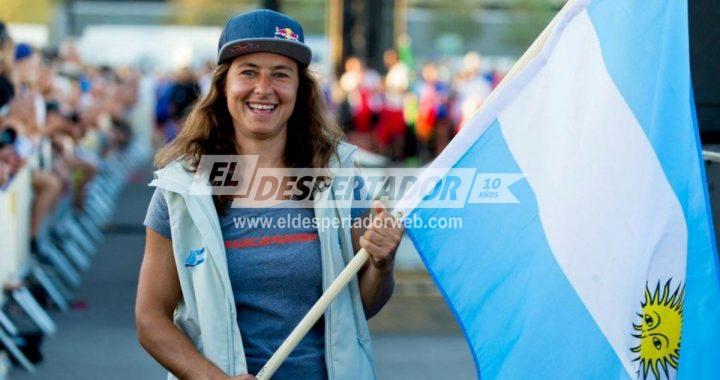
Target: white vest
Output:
{"points": [[206, 313]]}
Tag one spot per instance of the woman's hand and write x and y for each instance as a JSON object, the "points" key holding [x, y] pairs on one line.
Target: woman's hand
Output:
{"points": [[382, 238], [380, 241]]}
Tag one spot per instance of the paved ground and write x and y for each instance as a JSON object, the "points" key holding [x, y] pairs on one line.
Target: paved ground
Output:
{"points": [[98, 342]]}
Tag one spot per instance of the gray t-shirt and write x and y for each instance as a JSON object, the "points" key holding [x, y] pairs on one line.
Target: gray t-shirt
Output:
{"points": [[274, 263]]}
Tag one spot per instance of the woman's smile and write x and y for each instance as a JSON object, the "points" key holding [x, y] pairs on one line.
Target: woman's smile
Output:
{"points": [[261, 108]]}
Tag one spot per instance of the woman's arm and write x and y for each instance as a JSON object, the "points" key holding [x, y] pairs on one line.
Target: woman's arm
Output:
{"points": [[380, 240], [158, 294]]}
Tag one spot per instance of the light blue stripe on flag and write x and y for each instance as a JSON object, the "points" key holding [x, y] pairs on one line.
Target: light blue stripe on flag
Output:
{"points": [[646, 50], [518, 310]]}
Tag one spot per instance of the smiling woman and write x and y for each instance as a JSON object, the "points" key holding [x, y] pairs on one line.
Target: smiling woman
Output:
{"points": [[211, 308]]}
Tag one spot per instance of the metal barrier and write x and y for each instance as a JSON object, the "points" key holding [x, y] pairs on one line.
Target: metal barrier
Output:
{"points": [[65, 246], [711, 156], [15, 261], [15, 205]]}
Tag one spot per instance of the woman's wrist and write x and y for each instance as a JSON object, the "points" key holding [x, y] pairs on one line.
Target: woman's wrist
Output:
{"points": [[204, 371], [382, 267]]}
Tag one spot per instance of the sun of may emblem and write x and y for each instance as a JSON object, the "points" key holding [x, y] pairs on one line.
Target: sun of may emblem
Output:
{"points": [[659, 330]]}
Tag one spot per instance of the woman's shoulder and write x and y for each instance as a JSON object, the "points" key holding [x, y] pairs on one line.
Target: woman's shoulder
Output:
{"points": [[173, 176]]}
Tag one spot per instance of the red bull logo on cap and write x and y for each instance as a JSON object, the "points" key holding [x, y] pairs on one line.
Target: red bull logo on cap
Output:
{"points": [[286, 33]]}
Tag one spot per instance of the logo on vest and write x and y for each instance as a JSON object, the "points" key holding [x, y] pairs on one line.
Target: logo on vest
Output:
{"points": [[195, 257]]}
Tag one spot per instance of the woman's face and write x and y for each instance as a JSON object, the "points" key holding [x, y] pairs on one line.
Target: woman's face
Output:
{"points": [[261, 89]]}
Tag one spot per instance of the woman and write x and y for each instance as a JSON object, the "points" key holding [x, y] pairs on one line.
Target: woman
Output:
{"points": [[232, 307]]}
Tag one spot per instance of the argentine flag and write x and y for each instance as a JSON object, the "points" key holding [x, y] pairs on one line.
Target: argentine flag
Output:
{"points": [[606, 266]]}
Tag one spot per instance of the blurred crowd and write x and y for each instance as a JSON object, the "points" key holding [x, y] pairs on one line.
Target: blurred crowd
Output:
{"points": [[59, 118], [403, 113], [407, 113]]}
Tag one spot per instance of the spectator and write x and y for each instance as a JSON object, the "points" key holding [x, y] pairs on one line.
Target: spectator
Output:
{"points": [[432, 108], [391, 124], [183, 94], [472, 86], [362, 91]]}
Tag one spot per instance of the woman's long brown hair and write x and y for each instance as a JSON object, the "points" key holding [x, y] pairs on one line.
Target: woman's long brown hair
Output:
{"points": [[6, 48], [208, 129]]}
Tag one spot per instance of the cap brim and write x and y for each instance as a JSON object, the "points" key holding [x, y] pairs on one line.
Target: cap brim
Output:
{"points": [[292, 49]]}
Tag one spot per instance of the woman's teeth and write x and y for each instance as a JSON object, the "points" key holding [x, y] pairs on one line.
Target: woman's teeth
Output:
{"points": [[262, 107]]}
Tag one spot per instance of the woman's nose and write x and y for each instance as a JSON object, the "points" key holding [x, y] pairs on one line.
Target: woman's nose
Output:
{"points": [[262, 86]]}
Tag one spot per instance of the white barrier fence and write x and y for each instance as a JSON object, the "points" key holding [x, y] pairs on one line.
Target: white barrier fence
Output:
{"points": [[15, 207]]}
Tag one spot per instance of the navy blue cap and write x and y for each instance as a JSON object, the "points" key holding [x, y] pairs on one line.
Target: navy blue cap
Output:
{"points": [[265, 31], [22, 51]]}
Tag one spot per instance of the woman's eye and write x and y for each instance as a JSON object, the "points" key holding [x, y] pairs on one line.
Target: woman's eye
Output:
{"points": [[247, 73], [280, 75]]}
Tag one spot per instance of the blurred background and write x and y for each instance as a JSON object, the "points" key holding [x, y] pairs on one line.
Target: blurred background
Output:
{"points": [[90, 89]]}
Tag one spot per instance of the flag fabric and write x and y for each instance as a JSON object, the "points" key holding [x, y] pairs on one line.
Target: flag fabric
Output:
{"points": [[606, 267]]}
